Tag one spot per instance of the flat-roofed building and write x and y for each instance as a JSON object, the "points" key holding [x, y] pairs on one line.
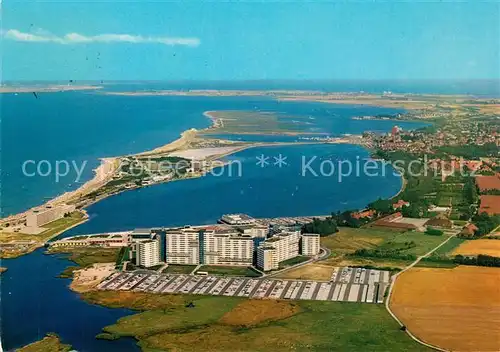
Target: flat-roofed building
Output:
{"points": [[147, 253], [266, 257], [119, 239], [256, 231], [285, 245], [41, 216], [183, 246], [141, 234], [237, 219], [310, 244], [227, 248]]}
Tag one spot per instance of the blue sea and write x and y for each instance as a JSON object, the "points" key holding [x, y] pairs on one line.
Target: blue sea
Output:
{"points": [[78, 128], [83, 126]]}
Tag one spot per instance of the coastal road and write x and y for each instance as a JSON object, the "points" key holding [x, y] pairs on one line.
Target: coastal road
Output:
{"points": [[391, 286]]}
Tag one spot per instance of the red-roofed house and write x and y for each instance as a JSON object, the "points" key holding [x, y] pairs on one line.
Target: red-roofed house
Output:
{"points": [[473, 165], [399, 204], [469, 230], [364, 214]]}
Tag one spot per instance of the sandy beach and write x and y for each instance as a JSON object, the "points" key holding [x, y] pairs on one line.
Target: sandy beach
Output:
{"points": [[88, 278]]}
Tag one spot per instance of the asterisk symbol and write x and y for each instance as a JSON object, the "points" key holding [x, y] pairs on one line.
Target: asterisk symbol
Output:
{"points": [[262, 160], [280, 160]]}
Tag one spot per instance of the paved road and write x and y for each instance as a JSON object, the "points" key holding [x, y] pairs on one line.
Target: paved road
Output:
{"points": [[393, 281]]}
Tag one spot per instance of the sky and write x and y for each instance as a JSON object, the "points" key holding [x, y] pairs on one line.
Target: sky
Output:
{"points": [[195, 40]]}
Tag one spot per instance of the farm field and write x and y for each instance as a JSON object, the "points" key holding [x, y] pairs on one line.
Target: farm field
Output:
{"points": [[233, 324], [448, 248], [456, 309], [347, 240], [482, 246]]}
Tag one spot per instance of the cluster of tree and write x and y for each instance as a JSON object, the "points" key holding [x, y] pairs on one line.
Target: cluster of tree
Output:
{"points": [[486, 173], [122, 256], [324, 227], [480, 260], [390, 252], [465, 211], [436, 258], [345, 219], [471, 151], [485, 223], [470, 191], [416, 210], [382, 206], [434, 232], [369, 253], [493, 192]]}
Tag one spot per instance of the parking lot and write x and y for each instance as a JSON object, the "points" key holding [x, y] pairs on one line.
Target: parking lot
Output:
{"points": [[346, 285]]}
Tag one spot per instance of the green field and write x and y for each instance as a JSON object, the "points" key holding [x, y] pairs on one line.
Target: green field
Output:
{"points": [[449, 246], [230, 270], [179, 269], [294, 261], [401, 248], [424, 243], [311, 325], [347, 240]]}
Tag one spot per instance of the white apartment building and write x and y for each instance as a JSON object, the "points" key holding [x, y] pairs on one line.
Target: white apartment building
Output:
{"points": [[310, 244], [267, 258], [280, 247], [227, 249], [182, 246], [256, 231], [42, 216], [287, 244], [147, 253]]}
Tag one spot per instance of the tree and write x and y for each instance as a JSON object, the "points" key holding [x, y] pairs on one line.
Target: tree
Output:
{"points": [[434, 232], [382, 206], [485, 223], [322, 227]]}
